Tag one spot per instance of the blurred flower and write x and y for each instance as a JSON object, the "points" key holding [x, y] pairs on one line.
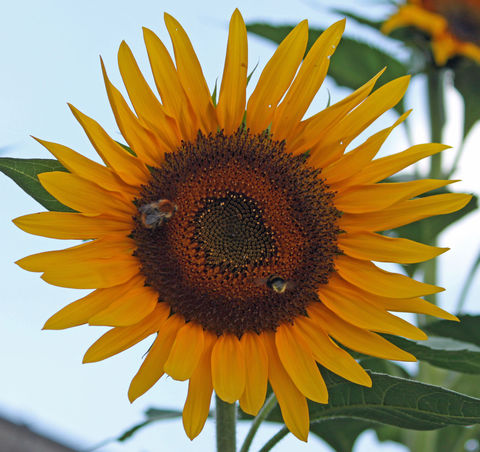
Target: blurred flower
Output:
{"points": [[454, 26], [225, 242]]}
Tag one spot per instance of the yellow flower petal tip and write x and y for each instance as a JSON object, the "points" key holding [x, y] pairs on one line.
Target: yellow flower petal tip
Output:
{"points": [[225, 227]]}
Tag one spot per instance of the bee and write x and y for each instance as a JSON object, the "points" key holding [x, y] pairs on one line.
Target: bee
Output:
{"points": [[154, 214], [276, 283]]}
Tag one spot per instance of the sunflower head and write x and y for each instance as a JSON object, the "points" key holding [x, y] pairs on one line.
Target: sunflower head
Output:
{"points": [[244, 247], [452, 25]]}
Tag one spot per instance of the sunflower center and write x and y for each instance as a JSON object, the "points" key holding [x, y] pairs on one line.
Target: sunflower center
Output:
{"points": [[232, 233], [463, 17], [235, 233]]}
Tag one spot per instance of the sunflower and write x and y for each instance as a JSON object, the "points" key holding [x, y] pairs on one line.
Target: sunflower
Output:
{"points": [[242, 242], [454, 26]]}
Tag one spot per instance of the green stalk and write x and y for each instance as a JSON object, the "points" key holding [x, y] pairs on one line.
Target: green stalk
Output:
{"points": [[436, 104], [259, 418], [427, 441], [226, 418], [274, 440]]}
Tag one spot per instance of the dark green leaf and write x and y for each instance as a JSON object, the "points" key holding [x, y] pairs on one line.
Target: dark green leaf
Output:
{"points": [[24, 173], [340, 433], [467, 330], [383, 366], [215, 94], [127, 148], [161, 414], [443, 352], [466, 77], [395, 401], [360, 19], [153, 415], [352, 64]]}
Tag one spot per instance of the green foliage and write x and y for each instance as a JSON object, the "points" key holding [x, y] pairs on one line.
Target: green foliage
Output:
{"points": [[152, 415], [466, 77], [340, 433], [443, 352], [353, 63], [24, 173], [467, 330]]}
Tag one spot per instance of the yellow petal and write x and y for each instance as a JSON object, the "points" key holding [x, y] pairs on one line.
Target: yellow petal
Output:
{"points": [[310, 131], [417, 305], [95, 274], [329, 354], [191, 75], [416, 16], [128, 167], [256, 374], [369, 277], [84, 196], [88, 169], [175, 101], [342, 299], [298, 361], [293, 404], [200, 388], [276, 78], [151, 369], [131, 307], [307, 82], [106, 248], [66, 225], [370, 198], [93, 265], [228, 367], [145, 103], [404, 212], [355, 338], [376, 247], [120, 338], [185, 352], [386, 166], [231, 101], [147, 147], [80, 311], [333, 144], [348, 165]]}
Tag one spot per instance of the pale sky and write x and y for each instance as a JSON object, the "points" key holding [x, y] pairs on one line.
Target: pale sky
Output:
{"points": [[49, 56]]}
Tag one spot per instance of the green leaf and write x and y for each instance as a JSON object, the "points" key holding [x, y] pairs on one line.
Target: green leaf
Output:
{"points": [[466, 77], [215, 94], [360, 19], [24, 173], [383, 366], [467, 330], [394, 401], [443, 352], [352, 64], [340, 433], [153, 415]]}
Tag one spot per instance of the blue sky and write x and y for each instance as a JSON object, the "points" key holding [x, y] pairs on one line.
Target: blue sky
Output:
{"points": [[49, 54]]}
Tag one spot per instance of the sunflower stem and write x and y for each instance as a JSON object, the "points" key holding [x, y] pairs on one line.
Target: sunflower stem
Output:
{"points": [[226, 419], [274, 440], [268, 406], [436, 104]]}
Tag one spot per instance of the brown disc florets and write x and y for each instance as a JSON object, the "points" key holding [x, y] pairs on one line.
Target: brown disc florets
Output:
{"points": [[235, 233]]}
